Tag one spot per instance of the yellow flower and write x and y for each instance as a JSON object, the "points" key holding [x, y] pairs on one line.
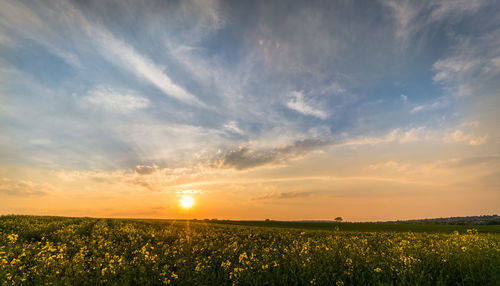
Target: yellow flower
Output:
{"points": [[12, 237], [243, 256], [226, 264]]}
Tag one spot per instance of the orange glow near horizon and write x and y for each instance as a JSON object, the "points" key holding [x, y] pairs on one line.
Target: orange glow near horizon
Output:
{"points": [[187, 202]]}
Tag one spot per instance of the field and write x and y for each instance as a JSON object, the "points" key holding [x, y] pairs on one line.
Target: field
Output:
{"points": [[366, 227], [88, 251]]}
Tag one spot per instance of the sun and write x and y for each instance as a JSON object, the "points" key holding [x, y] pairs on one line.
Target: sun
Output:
{"points": [[187, 202]]}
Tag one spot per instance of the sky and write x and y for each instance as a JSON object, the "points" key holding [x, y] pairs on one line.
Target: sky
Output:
{"points": [[288, 110]]}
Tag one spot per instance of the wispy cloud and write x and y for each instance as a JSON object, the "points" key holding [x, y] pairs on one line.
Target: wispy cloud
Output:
{"points": [[333, 88], [459, 136], [436, 104], [404, 14], [125, 56], [232, 126], [401, 167], [298, 103], [456, 8], [472, 66], [462, 134], [38, 27], [416, 18], [108, 98], [400, 135], [286, 195], [472, 161], [22, 21], [22, 188]]}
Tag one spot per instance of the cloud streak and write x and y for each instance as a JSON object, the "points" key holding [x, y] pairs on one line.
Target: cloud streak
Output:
{"points": [[244, 157], [125, 56], [117, 51], [22, 188], [298, 103], [415, 18], [286, 195], [436, 104], [123, 101]]}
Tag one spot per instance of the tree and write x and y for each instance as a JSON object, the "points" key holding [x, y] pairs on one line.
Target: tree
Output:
{"points": [[338, 219]]}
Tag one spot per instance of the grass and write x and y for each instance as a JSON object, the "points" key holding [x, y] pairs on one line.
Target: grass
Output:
{"points": [[366, 227]]}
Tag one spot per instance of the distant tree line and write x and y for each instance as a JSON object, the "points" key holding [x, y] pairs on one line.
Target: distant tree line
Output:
{"points": [[468, 220]]}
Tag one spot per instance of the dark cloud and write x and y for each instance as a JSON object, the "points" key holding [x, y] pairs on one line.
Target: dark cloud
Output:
{"points": [[21, 188], [244, 157]]}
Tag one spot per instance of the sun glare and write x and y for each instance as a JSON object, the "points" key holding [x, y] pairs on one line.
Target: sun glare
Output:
{"points": [[187, 202]]}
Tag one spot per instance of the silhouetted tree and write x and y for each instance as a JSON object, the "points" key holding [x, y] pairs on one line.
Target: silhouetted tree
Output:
{"points": [[338, 219]]}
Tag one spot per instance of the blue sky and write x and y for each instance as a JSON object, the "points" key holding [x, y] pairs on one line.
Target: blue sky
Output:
{"points": [[203, 91]]}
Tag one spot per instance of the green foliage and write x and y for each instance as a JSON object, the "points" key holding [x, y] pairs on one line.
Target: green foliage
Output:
{"points": [[368, 227], [86, 251]]}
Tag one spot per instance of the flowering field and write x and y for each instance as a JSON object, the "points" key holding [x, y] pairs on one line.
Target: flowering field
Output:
{"points": [[86, 251]]}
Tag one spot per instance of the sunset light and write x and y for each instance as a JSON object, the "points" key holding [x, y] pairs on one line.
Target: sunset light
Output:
{"points": [[187, 202], [380, 110], [162, 142]]}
